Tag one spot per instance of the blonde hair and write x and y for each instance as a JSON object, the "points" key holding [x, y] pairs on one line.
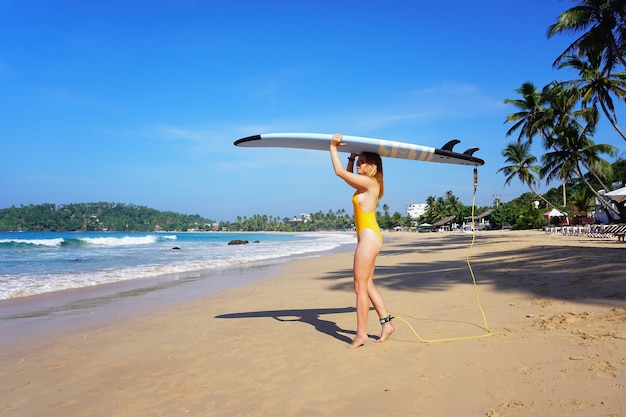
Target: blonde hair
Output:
{"points": [[375, 170]]}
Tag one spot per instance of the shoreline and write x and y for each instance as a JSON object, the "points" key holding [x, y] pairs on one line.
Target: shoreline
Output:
{"points": [[554, 304], [47, 314], [62, 268]]}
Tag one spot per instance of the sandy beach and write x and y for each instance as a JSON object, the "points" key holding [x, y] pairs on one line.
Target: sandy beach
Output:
{"points": [[554, 344]]}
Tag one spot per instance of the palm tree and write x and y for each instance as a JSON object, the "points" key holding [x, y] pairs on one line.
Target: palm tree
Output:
{"points": [[523, 166], [560, 116], [573, 147], [561, 101], [452, 203], [582, 201], [531, 110], [428, 214], [594, 87], [436, 210], [541, 111], [604, 31]]}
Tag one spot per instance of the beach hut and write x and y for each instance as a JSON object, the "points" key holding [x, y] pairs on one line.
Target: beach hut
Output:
{"points": [[424, 227], [445, 225], [481, 221], [554, 213]]}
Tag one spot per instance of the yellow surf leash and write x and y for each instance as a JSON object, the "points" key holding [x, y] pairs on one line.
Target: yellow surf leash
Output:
{"points": [[469, 266]]}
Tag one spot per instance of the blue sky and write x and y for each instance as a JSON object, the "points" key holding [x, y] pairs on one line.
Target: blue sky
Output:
{"points": [[140, 101]]}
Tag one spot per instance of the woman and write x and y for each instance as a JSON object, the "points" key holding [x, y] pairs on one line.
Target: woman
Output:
{"points": [[368, 182]]}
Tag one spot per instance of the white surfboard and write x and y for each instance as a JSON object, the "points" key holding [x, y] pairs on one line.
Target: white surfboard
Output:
{"points": [[357, 144]]}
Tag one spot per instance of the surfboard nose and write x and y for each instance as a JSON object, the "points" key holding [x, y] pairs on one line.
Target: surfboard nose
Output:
{"points": [[247, 139]]}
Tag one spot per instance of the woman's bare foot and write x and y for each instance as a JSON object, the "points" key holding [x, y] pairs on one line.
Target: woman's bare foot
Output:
{"points": [[357, 342], [385, 332]]}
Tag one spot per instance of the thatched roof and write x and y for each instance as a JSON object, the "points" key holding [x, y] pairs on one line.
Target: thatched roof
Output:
{"points": [[482, 215], [444, 221]]}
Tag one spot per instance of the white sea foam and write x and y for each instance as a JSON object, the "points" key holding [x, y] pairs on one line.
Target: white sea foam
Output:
{"points": [[120, 241], [105, 259], [35, 242]]}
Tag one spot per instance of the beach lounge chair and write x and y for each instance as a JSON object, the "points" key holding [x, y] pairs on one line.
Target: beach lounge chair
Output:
{"points": [[620, 232], [608, 231]]}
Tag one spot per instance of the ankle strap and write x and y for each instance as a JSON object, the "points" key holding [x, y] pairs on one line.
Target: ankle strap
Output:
{"points": [[387, 319]]}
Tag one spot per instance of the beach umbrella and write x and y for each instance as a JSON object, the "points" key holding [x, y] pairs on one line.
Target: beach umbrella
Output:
{"points": [[618, 195], [554, 213]]}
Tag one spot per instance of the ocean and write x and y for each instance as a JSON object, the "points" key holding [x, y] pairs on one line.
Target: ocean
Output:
{"points": [[41, 262]]}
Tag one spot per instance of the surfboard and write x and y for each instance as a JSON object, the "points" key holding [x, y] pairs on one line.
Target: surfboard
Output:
{"points": [[357, 144]]}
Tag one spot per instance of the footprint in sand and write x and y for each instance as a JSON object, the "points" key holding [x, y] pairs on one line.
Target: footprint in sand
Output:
{"points": [[560, 321], [542, 302], [505, 406], [603, 368], [525, 370]]}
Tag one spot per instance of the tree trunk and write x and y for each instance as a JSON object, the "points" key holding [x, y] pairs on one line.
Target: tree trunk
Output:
{"points": [[542, 197], [613, 122], [622, 212], [601, 199]]}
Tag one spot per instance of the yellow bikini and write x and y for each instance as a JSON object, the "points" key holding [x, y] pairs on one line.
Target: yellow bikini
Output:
{"points": [[365, 220]]}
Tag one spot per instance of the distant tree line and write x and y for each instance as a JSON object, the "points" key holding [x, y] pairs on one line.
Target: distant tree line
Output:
{"points": [[104, 216], [95, 217], [315, 222], [523, 212]]}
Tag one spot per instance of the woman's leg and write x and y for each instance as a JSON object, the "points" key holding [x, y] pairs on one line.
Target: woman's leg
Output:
{"points": [[364, 263], [379, 305], [364, 258]]}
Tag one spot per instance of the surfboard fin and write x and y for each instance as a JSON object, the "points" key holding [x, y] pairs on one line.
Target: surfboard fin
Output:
{"points": [[448, 146], [470, 151]]}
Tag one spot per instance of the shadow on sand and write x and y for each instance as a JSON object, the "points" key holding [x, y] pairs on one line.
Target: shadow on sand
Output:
{"points": [[580, 271], [309, 316]]}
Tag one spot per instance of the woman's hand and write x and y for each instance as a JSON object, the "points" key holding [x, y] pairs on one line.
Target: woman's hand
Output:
{"points": [[336, 140]]}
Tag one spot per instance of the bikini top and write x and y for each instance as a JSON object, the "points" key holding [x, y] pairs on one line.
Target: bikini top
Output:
{"points": [[364, 220]]}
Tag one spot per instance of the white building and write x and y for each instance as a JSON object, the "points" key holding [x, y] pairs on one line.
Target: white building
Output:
{"points": [[416, 210], [304, 217]]}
